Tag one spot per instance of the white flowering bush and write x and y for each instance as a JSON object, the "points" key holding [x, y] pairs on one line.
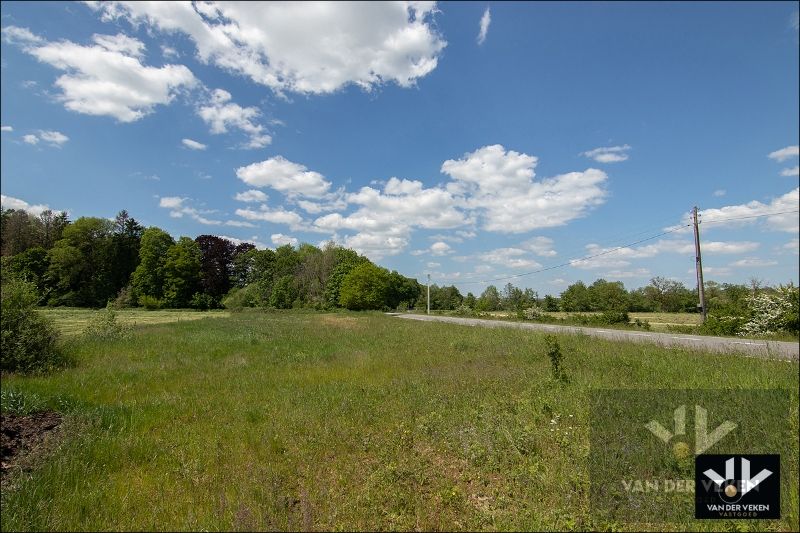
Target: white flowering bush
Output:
{"points": [[533, 313], [772, 312]]}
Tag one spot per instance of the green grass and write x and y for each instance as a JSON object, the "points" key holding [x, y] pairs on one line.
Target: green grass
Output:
{"points": [[72, 321], [341, 421]]}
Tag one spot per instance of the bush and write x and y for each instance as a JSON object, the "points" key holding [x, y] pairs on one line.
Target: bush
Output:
{"points": [[614, 317], [464, 310], [151, 303], [556, 358], [124, 299], [772, 312], [722, 325], [105, 326], [29, 340], [203, 302], [533, 313], [238, 298]]}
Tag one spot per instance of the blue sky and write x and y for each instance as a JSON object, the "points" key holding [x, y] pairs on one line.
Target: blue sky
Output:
{"points": [[472, 141]]}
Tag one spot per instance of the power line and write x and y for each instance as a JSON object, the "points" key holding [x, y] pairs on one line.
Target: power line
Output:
{"points": [[571, 261], [612, 250]]}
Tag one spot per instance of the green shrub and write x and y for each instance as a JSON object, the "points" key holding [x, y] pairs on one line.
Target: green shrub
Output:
{"points": [[104, 325], [151, 303], [722, 325], [203, 302], [614, 317], [238, 298], [533, 313], [556, 358], [29, 340], [464, 310]]}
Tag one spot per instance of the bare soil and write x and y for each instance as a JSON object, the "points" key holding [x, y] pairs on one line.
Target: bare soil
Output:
{"points": [[22, 434]]}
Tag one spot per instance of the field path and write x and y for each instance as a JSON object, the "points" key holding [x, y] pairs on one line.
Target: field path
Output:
{"points": [[752, 347]]}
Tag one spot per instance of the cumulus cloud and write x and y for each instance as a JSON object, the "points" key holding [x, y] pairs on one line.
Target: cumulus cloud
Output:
{"points": [[784, 153], [9, 202], [6, 129], [619, 257], [720, 192], [252, 195], [608, 154], [509, 257], [440, 248], [749, 262], [193, 145], [53, 138], [754, 213], [275, 216], [486, 19], [307, 47], [106, 78], [279, 239], [541, 246], [789, 172], [284, 176], [221, 115], [179, 206], [500, 186]]}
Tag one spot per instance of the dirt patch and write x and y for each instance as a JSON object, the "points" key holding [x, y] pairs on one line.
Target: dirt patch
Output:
{"points": [[22, 435]]}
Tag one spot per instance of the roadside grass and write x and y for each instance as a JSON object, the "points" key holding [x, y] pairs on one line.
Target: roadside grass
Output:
{"points": [[72, 321], [289, 421]]}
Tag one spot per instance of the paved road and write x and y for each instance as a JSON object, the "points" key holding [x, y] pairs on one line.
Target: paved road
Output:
{"points": [[752, 347]]}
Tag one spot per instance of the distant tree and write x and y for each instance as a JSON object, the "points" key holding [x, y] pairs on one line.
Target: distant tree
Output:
{"points": [[52, 227], [148, 278], [80, 264], [125, 242], [447, 298], [283, 293], [20, 231], [671, 296], [489, 300], [576, 298], [242, 264], [470, 300], [31, 266], [181, 273], [402, 290], [608, 296], [364, 287], [216, 262], [550, 303]]}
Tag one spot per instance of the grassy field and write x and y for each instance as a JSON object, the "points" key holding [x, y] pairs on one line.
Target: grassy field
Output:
{"points": [[72, 321], [302, 421]]}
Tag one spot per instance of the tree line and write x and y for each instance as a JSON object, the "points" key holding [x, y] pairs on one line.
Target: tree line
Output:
{"points": [[88, 262], [91, 261]]}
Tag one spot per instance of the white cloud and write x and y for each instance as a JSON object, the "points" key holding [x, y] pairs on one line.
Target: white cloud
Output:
{"points": [[284, 176], [6, 128], [608, 154], [168, 52], [794, 20], [486, 19], [789, 172], [785, 153], [748, 262], [541, 246], [221, 114], [509, 257], [21, 36], [55, 138], [178, 207], [9, 202], [713, 271], [193, 145], [252, 240], [734, 215], [720, 192], [793, 244], [276, 216], [625, 274], [252, 195], [239, 224], [107, 78], [308, 47], [499, 185], [622, 257], [441, 248], [432, 264], [279, 239]]}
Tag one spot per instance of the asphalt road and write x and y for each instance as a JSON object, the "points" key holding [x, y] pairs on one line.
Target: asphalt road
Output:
{"points": [[751, 347]]}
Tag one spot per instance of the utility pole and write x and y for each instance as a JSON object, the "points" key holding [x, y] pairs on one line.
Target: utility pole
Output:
{"points": [[429, 294], [699, 265]]}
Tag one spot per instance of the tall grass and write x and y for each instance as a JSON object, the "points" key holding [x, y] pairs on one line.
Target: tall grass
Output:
{"points": [[341, 421]]}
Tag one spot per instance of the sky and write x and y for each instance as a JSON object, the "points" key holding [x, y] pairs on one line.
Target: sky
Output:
{"points": [[552, 142]]}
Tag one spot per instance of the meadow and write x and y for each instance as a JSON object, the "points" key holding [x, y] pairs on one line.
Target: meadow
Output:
{"points": [[340, 421]]}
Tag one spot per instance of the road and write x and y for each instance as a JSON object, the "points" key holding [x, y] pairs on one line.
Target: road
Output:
{"points": [[751, 347]]}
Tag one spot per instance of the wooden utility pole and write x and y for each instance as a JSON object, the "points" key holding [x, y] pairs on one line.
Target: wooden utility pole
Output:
{"points": [[429, 294], [699, 265]]}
